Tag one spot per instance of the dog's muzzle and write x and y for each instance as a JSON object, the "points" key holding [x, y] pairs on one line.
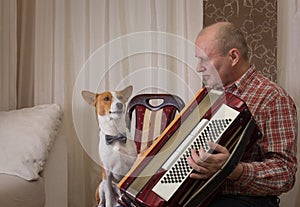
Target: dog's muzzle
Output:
{"points": [[118, 110]]}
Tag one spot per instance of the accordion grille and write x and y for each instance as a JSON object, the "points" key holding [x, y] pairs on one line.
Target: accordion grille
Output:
{"points": [[181, 169]]}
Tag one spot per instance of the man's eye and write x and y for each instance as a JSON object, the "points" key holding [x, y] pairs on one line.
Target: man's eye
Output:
{"points": [[106, 98], [202, 59]]}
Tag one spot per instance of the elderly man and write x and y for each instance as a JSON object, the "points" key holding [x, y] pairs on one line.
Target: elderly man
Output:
{"points": [[269, 169]]}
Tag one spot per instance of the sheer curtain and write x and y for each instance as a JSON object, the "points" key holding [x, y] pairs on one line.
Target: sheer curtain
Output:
{"points": [[288, 71], [51, 50], [8, 55]]}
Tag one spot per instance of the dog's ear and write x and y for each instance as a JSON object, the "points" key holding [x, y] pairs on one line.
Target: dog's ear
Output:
{"points": [[126, 92], [89, 97]]}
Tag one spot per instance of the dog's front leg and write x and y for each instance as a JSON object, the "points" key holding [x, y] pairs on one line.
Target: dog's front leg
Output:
{"points": [[117, 193], [101, 190], [106, 195], [110, 199]]}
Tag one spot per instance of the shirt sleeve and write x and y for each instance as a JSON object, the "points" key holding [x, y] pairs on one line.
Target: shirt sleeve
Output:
{"points": [[275, 172]]}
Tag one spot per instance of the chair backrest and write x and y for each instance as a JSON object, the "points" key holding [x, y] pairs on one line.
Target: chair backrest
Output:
{"points": [[153, 113]]}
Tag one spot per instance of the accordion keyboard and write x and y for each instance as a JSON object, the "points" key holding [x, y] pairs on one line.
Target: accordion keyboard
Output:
{"points": [[177, 168]]}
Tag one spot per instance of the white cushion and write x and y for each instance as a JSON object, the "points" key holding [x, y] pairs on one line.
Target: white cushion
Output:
{"points": [[26, 137]]}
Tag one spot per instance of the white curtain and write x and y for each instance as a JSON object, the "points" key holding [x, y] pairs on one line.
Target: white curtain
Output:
{"points": [[51, 50], [8, 55], [288, 71]]}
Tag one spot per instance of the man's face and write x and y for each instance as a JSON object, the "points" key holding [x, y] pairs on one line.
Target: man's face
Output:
{"points": [[212, 65]]}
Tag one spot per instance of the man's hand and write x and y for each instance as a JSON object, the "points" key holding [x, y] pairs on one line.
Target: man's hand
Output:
{"points": [[206, 164]]}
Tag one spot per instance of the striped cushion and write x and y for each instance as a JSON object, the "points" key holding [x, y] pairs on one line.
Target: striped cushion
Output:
{"points": [[150, 124]]}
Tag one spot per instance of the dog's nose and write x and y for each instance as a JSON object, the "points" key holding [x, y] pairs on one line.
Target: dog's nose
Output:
{"points": [[120, 106]]}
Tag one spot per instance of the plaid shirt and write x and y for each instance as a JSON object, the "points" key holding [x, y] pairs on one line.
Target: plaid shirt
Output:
{"points": [[269, 169]]}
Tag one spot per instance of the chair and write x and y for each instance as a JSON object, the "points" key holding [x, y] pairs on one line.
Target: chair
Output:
{"points": [[153, 113]]}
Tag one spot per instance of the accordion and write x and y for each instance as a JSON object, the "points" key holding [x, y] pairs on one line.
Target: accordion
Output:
{"points": [[161, 176]]}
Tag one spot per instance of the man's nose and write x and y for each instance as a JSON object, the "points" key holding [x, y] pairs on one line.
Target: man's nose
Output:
{"points": [[200, 68]]}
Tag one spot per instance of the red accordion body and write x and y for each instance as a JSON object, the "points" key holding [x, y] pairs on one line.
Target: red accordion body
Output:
{"points": [[161, 177]]}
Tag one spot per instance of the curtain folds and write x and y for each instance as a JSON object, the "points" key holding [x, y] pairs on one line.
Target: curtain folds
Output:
{"points": [[288, 67], [51, 50], [8, 55]]}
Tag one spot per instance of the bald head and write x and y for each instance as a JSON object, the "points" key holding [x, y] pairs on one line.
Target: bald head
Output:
{"points": [[226, 36], [223, 54]]}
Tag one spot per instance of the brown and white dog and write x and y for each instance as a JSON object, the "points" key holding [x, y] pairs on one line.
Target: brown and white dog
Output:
{"points": [[117, 152]]}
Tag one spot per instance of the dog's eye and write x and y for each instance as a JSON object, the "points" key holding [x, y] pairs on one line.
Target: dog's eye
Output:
{"points": [[106, 98]]}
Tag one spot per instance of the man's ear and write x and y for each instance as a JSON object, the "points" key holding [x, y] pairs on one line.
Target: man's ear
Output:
{"points": [[126, 92], [234, 55], [89, 97]]}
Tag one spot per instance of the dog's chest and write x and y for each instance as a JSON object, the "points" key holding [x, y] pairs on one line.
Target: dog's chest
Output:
{"points": [[117, 157]]}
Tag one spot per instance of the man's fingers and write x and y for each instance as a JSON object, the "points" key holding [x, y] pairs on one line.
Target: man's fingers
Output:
{"points": [[216, 147], [196, 162], [206, 164]]}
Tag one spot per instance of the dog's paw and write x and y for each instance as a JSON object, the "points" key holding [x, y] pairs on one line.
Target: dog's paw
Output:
{"points": [[101, 205]]}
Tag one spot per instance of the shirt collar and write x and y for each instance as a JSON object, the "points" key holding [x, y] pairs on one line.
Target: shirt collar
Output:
{"points": [[243, 81]]}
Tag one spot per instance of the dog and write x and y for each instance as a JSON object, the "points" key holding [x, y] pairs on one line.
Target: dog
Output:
{"points": [[117, 151]]}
